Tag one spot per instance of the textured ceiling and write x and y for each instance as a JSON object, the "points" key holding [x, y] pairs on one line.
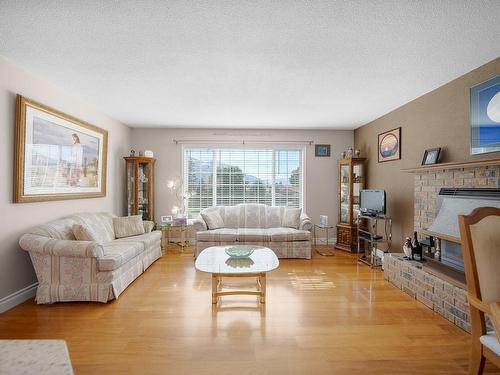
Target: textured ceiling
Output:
{"points": [[249, 64]]}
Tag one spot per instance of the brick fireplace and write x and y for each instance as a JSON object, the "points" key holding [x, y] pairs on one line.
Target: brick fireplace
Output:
{"points": [[439, 292], [427, 184]]}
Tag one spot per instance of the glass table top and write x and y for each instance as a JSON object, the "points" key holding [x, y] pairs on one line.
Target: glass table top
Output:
{"points": [[215, 260]]}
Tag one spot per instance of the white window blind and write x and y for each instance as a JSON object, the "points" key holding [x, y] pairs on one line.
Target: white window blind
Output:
{"points": [[229, 176]]}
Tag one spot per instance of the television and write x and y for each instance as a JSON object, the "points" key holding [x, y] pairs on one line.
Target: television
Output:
{"points": [[372, 202]]}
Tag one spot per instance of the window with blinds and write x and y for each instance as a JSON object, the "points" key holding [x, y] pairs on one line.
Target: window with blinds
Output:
{"points": [[229, 176]]}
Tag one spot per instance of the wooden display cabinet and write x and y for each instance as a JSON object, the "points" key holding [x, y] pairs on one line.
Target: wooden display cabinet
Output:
{"points": [[351, 182], [140, 183]]}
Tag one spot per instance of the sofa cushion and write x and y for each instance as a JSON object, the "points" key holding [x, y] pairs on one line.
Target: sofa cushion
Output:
{"points": [[273, 216], [83, 232], [222, 234], [252, 235], [254, 215], [118, 253], [128, 226], [213, 219], [288, 234], [232, 216], [101, 224], [149, 240], [291, 218], [62, 229]]}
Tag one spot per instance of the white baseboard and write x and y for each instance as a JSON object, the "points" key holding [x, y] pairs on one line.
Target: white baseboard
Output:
{"points": [[16, 298]]}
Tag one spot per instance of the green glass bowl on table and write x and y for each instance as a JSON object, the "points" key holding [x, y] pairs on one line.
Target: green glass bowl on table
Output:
{"points": [[240, 251]]}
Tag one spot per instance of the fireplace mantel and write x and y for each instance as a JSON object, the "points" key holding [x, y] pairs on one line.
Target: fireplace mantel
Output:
{"points": [[453, 165], [441, 236]]}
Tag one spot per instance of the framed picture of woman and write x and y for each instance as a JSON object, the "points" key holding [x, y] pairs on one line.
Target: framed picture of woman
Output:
{"points": [[57, 156]]}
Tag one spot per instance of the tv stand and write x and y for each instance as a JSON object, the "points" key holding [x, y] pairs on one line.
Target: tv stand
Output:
{"points": [[369, 238]]}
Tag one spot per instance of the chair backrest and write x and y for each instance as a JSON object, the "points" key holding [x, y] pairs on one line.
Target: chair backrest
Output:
{"points": [[480, 236]]}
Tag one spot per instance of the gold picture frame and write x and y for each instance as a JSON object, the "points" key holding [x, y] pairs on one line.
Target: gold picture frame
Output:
{"points": [[57, 156]]}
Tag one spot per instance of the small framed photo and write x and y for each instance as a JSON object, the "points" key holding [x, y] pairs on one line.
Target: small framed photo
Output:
{"points": [[166, 219], [322, 150], [431, 156], [323, 220]]}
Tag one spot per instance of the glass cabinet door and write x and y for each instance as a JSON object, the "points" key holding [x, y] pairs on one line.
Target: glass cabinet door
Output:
{"points": [[139, 171], [143, 176], [357, 186], [130, 188], [345, 193]]}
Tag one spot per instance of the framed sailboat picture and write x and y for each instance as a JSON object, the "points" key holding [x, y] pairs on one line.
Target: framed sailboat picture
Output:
{"points": [[57, 156]]}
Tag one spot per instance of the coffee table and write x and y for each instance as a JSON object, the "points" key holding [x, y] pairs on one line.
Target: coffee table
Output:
{"points": [[214, 260]]}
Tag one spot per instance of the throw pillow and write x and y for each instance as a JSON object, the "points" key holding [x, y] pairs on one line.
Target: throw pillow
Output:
{"points": [[231, 216], [128, 226], [213, 219], [148, 226], [273, 216], [291, 218], [84, 233]]}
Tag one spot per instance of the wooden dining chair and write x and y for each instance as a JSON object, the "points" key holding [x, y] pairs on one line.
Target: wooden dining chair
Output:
{"points": [[480, 237]]}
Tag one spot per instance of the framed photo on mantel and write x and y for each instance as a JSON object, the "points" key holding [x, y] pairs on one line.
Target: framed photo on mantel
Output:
{"points": [[57, 156]]}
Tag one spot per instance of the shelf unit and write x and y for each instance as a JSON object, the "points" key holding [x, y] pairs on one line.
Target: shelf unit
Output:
{"points": [[140, 182], [351, 182], [371, 238]]}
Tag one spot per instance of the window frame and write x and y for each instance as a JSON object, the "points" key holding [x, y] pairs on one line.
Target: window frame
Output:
{"points": [[240, 146]]}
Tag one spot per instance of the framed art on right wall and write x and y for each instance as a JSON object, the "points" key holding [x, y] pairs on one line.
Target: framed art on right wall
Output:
{"points": [[389, 145], [485, 117]]}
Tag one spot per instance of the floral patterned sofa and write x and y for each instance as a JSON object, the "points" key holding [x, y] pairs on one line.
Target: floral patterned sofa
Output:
{"points": [[71, 270], [286, 231]]}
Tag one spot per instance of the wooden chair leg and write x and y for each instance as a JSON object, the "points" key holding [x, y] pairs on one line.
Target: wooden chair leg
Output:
{"points": [[476, 363]]}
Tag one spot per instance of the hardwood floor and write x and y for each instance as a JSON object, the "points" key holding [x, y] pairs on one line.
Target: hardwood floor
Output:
{"points": [[325, 316]]}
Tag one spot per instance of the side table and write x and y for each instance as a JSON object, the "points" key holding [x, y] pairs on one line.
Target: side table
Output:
{"points": [[181, 230], [327, 228]]}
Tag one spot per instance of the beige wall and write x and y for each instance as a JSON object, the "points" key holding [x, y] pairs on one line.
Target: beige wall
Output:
{"points": [[439, 118], [321, 173], [16, 271]]}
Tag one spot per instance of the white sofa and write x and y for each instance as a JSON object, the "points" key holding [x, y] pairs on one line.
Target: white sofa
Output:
{"points": [[71, 270], [256, 224]]}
